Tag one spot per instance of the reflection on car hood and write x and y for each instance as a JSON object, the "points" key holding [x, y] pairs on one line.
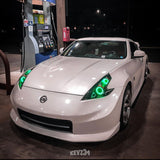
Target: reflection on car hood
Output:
{"points": [[70, 75]]}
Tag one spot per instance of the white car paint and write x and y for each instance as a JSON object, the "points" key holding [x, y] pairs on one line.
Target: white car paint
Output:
{"points": [[66, 77], [65, 80]]}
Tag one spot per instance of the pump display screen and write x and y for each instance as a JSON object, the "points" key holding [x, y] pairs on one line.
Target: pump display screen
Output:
{"points": [[46, 27]]}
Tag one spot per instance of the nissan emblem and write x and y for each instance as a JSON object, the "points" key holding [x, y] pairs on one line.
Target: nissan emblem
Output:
{"points": [[43, 99]]}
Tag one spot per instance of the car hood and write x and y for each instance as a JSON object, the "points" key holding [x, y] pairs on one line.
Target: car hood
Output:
{"points": [[70, 75]]}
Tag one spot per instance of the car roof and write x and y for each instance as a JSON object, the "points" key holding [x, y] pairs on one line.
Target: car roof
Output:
{"points": [[104, 38]]}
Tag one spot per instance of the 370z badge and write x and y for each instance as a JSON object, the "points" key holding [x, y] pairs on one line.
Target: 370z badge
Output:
{"points": [[43, 99]]}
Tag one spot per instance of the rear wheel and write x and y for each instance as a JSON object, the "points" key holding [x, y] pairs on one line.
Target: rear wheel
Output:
{"points": [[126, 108], [146, 72]]}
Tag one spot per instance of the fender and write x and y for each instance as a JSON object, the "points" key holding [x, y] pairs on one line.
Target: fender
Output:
{"points": [[120, 77]]}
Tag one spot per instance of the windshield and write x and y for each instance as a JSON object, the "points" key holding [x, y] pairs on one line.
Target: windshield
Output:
{"points": [[96, 49]]}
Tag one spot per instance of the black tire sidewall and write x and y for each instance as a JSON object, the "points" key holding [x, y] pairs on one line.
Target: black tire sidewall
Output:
{"points": [[122, 124]]}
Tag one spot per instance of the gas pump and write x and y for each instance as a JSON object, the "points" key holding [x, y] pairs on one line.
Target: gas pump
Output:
{"points": [[39, 41]]}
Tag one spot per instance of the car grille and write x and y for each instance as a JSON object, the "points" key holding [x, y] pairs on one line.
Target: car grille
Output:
{"points": [[49, 123]]}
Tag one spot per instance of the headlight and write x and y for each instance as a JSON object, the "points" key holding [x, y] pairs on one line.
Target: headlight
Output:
{"points": [[23, 78], [100, 89]]}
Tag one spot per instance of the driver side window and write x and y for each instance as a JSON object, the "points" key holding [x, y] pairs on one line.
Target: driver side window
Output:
{"points": [[133, 47]]}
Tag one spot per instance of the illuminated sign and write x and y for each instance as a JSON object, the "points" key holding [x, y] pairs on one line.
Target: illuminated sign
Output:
{"points": [[40, 2], [37, 2]]}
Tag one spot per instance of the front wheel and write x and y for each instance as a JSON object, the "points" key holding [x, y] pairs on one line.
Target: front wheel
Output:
{"points": [[126, 108]]}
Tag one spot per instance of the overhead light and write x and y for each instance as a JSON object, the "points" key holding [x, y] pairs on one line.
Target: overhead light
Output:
{"points": [[98, 11]]}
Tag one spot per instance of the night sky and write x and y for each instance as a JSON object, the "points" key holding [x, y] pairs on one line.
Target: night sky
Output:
{"points": [[11, 21], [136, 19]]}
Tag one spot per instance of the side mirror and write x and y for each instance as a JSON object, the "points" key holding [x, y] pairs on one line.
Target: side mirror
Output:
{"points": [[138, 54], [61, 50]]}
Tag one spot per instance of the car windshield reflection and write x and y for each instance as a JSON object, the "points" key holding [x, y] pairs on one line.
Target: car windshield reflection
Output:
{"points": [[97, 49]]}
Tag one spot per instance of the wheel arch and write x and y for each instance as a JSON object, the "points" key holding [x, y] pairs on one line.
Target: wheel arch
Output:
{"points": [[127, 87], [130, 85]]}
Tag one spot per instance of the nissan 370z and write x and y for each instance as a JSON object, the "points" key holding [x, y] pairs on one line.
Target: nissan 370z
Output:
{"points": [[84, 94]]}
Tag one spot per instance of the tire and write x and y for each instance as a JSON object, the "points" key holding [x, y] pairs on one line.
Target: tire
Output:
{"points": [[147, 71], [126, 108]]}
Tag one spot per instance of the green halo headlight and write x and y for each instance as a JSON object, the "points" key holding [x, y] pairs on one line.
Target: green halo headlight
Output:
{"points": [[104, 82], [93, 95], [100, 89], [23, 78], [28, 71], [21, 81]]}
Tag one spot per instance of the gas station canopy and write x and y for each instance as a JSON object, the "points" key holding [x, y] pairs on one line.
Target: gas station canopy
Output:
{"points": [[39, 2]]}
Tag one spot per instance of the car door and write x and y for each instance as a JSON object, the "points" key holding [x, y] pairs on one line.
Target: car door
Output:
{"points": [[138, 65]]}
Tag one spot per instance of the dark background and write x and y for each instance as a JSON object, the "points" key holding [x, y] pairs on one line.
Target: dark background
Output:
{"points": [[135, 19]]}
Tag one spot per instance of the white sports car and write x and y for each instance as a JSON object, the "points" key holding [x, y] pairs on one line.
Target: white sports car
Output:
{"points": [[84, 94]]}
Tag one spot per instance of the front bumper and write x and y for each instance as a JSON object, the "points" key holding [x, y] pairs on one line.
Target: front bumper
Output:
{"points": [[62, 135], [92, 120]]}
